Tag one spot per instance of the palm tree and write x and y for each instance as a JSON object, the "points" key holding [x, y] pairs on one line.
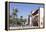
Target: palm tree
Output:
{"points": [[21, 17], [15, 16], [22, 20], [15, 13]]}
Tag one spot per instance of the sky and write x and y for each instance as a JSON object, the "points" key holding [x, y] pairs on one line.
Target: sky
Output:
{"points": [[24, 9]]}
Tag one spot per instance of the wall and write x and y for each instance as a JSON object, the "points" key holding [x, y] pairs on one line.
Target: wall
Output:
{"points": [[41, 16]]}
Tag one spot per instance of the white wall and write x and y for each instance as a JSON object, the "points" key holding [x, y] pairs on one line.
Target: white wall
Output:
{"points": [[41, 16], [31, 21]]}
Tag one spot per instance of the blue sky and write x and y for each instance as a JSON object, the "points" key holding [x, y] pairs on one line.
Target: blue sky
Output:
{"points": [[24, 9]]}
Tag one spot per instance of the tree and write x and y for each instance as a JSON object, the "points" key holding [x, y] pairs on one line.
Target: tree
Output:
{"points": [[15, 15], [15, 12], [22, 20], [21, 17], [19, 22]]}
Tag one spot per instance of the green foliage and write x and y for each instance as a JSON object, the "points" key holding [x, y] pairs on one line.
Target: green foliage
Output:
{"points": [[15, 11], [16, 21]]}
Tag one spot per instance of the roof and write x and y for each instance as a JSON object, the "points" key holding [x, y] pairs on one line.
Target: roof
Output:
{"points": [[36, 12]]}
